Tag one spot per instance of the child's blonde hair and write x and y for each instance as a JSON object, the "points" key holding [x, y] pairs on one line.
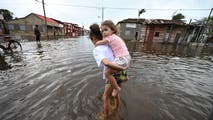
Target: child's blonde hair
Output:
{"points": [[111, 25]]}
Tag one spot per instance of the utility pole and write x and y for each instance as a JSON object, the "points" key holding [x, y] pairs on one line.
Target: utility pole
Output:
{"points": [[102, 9], [45, 18], [205, 26], [209, 16]]}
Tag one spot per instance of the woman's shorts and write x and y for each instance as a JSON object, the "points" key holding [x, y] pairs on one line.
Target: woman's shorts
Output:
{"points": [[120, 77], [123, 61]]}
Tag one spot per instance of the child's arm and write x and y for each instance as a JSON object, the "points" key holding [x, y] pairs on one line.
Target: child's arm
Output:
{"points": [[101, 42], [111, 65]]}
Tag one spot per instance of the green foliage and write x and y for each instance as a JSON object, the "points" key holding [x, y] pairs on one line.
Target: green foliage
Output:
{"points": [[178, 16], [209, 25], [210, 20], [7, 14], [141, 12]]}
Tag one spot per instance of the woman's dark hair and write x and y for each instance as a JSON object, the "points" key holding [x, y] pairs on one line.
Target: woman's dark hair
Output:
{"points": [[111, 25], [95, 32]]}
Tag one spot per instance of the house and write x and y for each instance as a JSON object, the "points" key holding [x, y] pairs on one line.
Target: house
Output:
{"points": [[25, 26], [72, 30], [128, 28], [156, 30], [161, 30]]}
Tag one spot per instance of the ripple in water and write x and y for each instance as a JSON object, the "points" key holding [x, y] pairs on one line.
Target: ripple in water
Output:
{"points": [[59, 80]]}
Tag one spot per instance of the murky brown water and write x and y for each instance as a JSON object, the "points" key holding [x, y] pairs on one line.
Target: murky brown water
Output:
{"points": [[59, 80]]}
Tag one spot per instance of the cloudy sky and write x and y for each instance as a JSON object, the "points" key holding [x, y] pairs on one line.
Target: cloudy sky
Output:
{"points": [[86, 12]]}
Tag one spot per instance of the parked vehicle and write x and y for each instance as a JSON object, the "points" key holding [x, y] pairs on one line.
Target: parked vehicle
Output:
{"points": [[8, 43]]}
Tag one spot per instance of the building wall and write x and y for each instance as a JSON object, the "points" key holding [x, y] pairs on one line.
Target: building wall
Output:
{"points": [[177, 30], [161, 33], [24, 27], [72, 30], [128, 30]]}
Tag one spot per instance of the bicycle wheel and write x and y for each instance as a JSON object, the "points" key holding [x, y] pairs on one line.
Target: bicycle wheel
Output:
{"points": [[15, 46]]}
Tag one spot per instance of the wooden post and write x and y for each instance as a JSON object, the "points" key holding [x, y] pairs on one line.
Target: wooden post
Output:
{"points": [[146, 33], [170, 32], [186, 32]]}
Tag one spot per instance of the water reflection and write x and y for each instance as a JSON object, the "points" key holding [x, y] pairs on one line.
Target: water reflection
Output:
{"points": [[191, 50], [39, 45], [3, 64]]}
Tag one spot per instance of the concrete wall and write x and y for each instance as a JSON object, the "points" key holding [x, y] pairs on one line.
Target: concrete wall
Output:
{"points": [[29, 22], [128, 30]]}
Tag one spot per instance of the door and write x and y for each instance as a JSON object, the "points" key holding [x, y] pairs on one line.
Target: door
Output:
{"points": [[151, 34]]}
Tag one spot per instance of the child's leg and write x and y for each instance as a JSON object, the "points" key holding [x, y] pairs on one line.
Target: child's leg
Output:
{"points": [[109, 75], [126, 79]]}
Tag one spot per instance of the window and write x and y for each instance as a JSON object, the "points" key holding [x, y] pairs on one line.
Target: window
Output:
{"points": [[157, 34], [130, 25], [22, 27], [33, 27], [11, 27]]}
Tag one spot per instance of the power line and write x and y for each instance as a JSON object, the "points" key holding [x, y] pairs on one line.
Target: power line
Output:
{"points": [[154, 9]]}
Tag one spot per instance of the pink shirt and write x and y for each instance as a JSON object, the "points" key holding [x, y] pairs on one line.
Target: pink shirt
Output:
{"points": [[117, 45]]}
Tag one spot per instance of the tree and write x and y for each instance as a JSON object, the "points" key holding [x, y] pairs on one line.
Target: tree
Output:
{"points": [[178, 16], [209, 30], [141, 12], [7, 14], [210, 20]]}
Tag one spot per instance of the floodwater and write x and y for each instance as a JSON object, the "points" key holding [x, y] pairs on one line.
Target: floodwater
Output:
{"points": [[59, 80]]}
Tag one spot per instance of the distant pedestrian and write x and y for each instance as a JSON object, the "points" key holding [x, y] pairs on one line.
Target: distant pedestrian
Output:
{"points": [[136, 36], [37, 33]]}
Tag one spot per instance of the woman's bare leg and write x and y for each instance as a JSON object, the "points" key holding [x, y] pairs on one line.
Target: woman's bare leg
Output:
{"points": [[117, 100], [106, 96]]}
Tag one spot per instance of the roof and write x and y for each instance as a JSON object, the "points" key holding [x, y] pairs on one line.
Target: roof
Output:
{"points": [[48, 19], [68, 23], [164, 21], [60, 22], [152, 21], [133, 20]]}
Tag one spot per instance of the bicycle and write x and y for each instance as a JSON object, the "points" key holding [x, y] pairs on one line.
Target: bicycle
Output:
{"points": [[9, 44]]}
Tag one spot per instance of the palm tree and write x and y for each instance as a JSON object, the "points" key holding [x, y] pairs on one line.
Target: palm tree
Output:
{"points": [[7, 14], [140, 12], [209, 23], [178, 16]]}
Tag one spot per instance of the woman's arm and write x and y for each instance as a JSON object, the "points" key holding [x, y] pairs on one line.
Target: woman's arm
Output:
{"points": [[101, 42], [112, 65]]}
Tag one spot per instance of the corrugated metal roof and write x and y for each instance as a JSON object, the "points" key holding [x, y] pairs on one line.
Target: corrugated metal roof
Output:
{"points": [[164, 21], [152, 21], [133, 20]]}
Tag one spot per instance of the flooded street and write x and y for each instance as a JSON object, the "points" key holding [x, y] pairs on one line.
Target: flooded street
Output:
{"points": [[59, 80]]}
